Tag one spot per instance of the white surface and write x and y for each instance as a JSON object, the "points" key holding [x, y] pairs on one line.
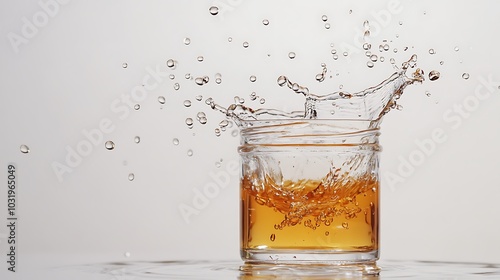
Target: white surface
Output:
{"points": [[69, 73]]}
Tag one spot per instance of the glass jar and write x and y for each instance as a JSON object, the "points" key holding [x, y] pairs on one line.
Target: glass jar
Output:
{"points": [[310, 192]]}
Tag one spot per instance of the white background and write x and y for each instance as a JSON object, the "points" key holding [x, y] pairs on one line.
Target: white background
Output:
{"points": [[66, 77]]}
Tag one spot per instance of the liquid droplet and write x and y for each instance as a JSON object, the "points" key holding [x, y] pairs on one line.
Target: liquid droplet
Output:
{"points": [[245, 45], [235, 132], [434, 75], [201, 80], [189, 123], [171, 76], [137, 107], [373, 57], [265, 22], [291, 55], [367, 46], [199, 98], [327, 26], [327, 233], [253, 78], [366, 24], [345, 225], [392, 60], [457, 49], [126, 254], [432, 51], [161, 99], [187, 103], [282, 80], [262, 101], [223, 123], [272, 237], [177, 86], [428, 94], [386, 47], [200, 58], [217, 132], [131, 177], [370, 64], [441, 62], [190, 153], [229, 39], [345, 53], [217, 164], [137, 139], [214, 10], [187, 41], [218, 80], [175, 141], [170, 63], [124, 65], [24, 149], [324, 18], [109, 145], [465, 76], [400, 23], [382, 59]]}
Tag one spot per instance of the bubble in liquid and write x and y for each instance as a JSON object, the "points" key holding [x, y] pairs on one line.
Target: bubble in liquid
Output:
{"points": [[324, 18], [373, 57], [291, 55], [465, 76], [457, 49], [327, 26], [24, 149], [189, 122], [370, 64], [187, 103], [432, 51], [175, 141], [367, 46], [272, 237], [253, 78], [170, 63], [434, 75], [282, 80], [109, 145], [213, 10], [137, 139], [131, 177], [126, 254], [177, 86], [200, 58], [265, 22], [245, 44], [199, 97], [187, 41], [217, 132], [137, 107], [171, 76], [124, 65]]}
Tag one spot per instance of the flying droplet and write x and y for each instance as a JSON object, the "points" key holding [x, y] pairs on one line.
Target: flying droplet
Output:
{"points": [[161, 99], [177, 86], [190, 153], [137, 107], [171, 76], [382, 59], [345, 225], [187, 41], [124, 65], [201, 80], [434, 75], [366, 24], [217, 132], [199, 97], [386, 47], [334, 51], [126, 254], [235, 132], [262, 101], [109, 145], [367, 46], [217, 163], [392, 60], [282, 80], [218, 80], [189, 122], [175, 141], [320, 77], [373, 57], [131, 177], [327, 26], [170, 63], [327, 233], [272, 237], [265, 22], [253, 78], [432, 51], [187, 103], [400, 23], [457, 49], [137, 139], [428, 94], [335, 57], [24, 149], [370, 64], [223, 123], [291, 55], [441, 62], [345, 53], [230, 39], [200, 58], [465, 76], [324, 18], [245, 44], [214, 10]]}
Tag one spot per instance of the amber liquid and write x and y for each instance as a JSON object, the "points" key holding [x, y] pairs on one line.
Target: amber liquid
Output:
{"points": [[340, 214]]}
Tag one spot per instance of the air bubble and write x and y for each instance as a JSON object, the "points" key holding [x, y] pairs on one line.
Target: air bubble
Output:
{"points": [[432, 51], [291, 55], [109, 145], [131, 177], [200, 58], [214, 10], [434, 75], [170, 63], [245, 44], [137, 107], [24, 149], [187, 103], [137, 139], [177, 86], [187, 41], [124, 65], [265, 22], [190, 153], [253, 78], [175, 141], [324, 18], [189, 122], [465, 76]]}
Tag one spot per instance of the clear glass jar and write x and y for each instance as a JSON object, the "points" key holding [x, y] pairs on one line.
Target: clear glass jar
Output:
{"points": [[310, 192]]}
